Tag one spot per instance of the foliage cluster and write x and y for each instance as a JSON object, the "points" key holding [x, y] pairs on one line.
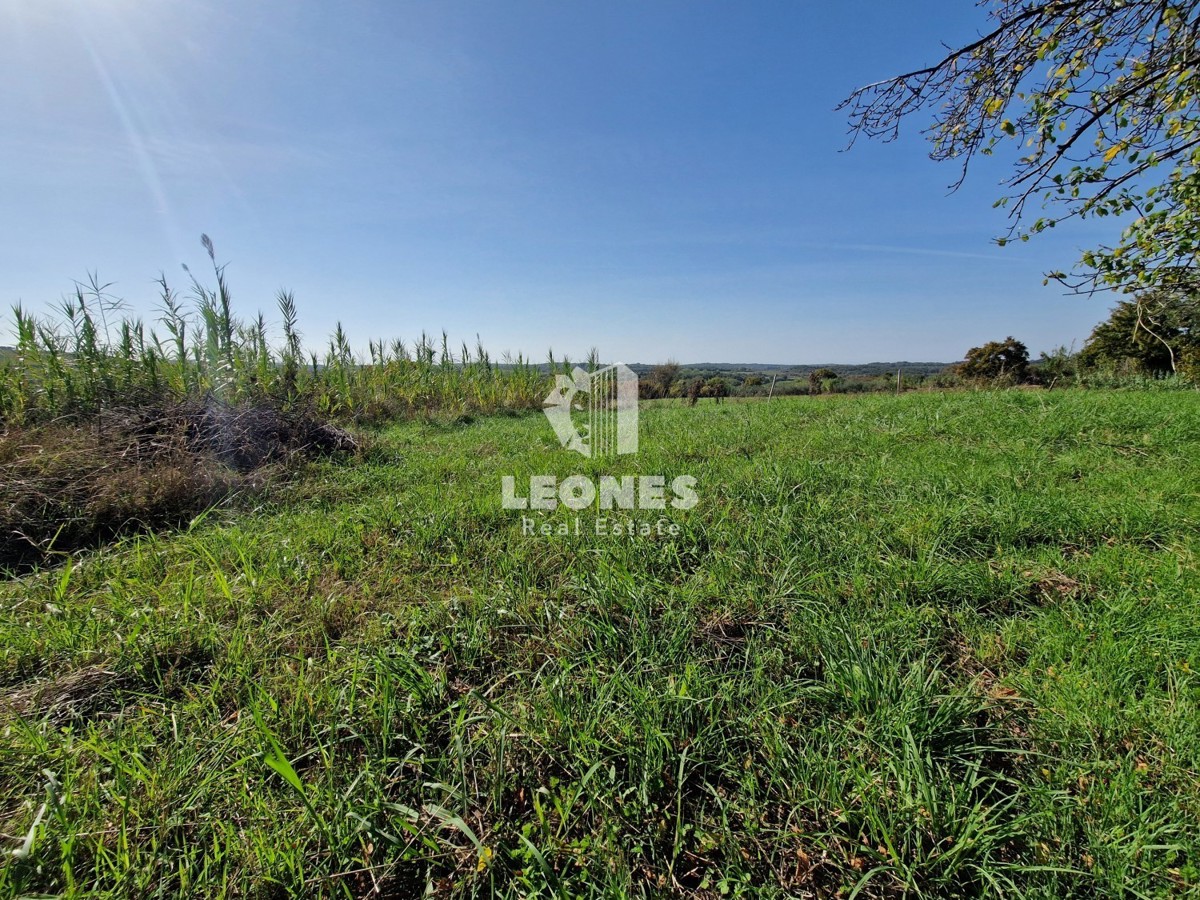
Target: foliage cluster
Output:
{"points": [[1007, 359], [1100, 97], [1155, 333]]}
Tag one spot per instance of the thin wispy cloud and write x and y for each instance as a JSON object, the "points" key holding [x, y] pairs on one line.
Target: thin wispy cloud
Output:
{"points": [[1000, 256]]}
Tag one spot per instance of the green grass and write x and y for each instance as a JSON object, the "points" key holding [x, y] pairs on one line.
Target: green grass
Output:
{"points": [[936, 644]]}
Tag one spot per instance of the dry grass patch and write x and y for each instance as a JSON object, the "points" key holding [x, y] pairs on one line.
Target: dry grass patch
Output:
{"points": [[65, 485]]}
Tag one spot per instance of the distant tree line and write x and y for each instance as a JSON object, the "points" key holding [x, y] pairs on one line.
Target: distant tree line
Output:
{"points": [[1154, 335], [668, 380]]}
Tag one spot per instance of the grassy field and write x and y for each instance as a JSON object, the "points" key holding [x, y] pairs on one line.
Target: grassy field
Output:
{"points": [[937, 644]]}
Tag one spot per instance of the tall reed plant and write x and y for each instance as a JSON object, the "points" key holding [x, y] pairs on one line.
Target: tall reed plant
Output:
{"points": [[89, 354]]}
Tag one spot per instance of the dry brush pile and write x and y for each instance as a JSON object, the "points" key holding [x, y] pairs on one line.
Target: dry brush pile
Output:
{"points": [[107, 424], [67, 484]]}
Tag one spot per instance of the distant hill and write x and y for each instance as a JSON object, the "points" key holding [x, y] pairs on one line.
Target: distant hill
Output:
{"points": [[797, 367], [801, 370], [784, 372], [871, 368]]}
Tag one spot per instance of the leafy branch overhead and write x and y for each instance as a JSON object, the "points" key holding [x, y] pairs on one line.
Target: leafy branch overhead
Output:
{"points": [[1102, 97]]}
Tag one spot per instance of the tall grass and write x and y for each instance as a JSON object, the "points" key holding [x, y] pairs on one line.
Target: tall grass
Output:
{"points": [[89, 354]]}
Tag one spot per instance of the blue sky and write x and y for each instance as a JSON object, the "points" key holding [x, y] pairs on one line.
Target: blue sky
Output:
{"points": [[661, 179]]}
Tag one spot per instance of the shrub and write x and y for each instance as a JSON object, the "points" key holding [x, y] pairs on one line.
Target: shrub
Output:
{"points": [[995, 360]]}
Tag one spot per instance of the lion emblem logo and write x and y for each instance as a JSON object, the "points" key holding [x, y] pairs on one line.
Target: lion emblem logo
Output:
{"points": [[595, 413]]}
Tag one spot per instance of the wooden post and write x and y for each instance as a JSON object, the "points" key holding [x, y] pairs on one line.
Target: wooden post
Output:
{"points": [[772, 390]]}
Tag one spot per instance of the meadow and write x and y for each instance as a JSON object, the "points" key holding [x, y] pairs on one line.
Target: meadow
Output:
{"points": [[936, 644]]}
